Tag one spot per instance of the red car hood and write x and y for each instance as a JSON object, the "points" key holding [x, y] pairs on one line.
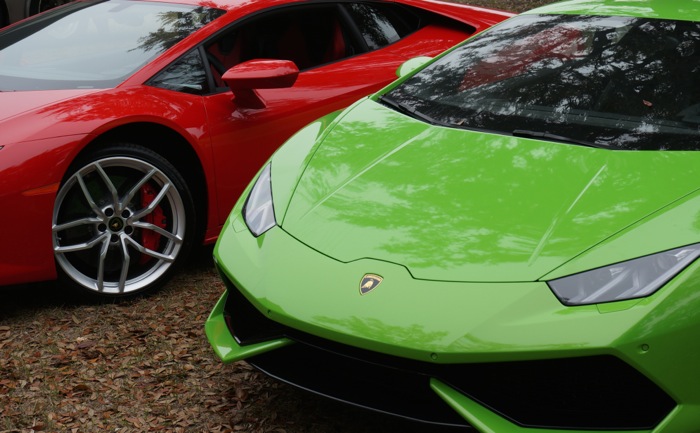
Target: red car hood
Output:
{"points": [[35, 105], [16, 103]]}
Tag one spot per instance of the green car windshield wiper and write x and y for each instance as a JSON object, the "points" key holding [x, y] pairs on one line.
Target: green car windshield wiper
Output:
{"points": [[554, 137], [403, 108]]}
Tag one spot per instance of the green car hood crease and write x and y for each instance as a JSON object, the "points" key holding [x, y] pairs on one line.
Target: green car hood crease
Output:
{"points": [[457, 205]]}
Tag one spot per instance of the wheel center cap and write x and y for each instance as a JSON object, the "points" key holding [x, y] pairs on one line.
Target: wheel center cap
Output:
{"points": [[116, 224]]}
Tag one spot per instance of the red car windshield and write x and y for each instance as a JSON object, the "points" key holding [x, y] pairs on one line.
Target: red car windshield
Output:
{"points": [[612, 82], [93, 45]]}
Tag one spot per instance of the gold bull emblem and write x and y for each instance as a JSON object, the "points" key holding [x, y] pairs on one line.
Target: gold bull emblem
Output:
{"points": [[369, 282]]}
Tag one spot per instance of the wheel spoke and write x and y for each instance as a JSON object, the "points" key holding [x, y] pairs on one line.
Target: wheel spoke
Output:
{"points": [[156, 201], [109, 184], [101, 266], [130, 195], [88, 196], [82, 246], [148, 226], [125, 265], [80, 222], [149, 252]]}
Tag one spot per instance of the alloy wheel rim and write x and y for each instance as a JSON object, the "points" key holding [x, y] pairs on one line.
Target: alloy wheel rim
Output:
{"points": [[118, 225]]}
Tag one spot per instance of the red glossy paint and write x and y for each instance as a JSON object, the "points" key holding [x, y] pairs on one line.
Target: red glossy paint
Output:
{"points": [[245, 77], [42, 132], [262, 74]]}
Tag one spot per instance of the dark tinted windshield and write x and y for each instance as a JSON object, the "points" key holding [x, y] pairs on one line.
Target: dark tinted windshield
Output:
{"points": [[617, 82], [93, 45]]}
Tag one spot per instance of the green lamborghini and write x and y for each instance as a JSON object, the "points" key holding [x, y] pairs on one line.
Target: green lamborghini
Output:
{"points": [[504, 238]]}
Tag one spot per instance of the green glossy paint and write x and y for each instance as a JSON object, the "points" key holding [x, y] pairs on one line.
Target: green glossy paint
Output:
{"points": [[456, 205]]}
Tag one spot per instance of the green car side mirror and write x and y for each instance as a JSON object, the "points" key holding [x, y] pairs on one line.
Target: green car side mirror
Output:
{"points": [[411, 65]]}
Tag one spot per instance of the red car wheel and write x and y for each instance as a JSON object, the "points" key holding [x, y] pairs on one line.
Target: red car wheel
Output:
{"points": [[123, 219]]}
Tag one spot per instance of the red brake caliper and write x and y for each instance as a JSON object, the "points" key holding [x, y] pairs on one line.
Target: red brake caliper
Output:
{"points": [[149, 238]]}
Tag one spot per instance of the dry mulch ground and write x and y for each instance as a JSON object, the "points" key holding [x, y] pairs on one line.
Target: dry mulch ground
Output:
{"points": [[145, 365]]}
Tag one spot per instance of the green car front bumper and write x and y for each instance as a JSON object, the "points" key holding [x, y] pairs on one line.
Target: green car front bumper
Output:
{"points": [[501, 357]]}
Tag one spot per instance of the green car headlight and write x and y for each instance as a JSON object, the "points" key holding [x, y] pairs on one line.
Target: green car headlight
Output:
{"points": [[634, 278], [258, 212]]}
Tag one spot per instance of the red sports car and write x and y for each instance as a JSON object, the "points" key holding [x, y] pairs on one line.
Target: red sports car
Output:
{"points": [[128, 128]]}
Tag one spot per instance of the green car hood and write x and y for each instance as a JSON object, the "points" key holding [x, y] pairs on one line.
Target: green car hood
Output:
{"points": [[457, 205]]}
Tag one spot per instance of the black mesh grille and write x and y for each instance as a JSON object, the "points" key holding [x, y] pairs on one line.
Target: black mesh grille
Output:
{"points": [[584, 393]]}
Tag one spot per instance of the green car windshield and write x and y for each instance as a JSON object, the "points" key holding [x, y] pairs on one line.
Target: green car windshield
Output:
{"points": [[604, 81], [93, 44]]}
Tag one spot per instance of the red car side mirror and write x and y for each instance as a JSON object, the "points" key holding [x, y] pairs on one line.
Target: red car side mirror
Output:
{"points": [[245, 77]]}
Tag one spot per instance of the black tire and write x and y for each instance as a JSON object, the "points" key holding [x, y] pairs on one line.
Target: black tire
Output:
{"points": [[123, 222]]}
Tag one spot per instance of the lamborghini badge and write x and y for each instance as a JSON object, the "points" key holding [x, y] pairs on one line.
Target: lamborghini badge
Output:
{"points": [[369, 282]]}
